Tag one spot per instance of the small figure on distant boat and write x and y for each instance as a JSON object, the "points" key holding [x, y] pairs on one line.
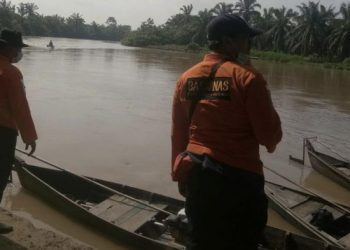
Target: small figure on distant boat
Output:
{"points": [[50, 45]]}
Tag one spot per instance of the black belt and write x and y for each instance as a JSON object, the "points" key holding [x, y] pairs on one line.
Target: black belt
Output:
{"points": [[205, 162]]}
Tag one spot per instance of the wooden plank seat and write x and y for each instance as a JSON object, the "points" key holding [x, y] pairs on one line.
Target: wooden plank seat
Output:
{"points": [[304, 210], [345, 240], [125, 212]]}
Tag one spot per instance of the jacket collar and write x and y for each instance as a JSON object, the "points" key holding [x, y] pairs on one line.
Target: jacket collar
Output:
{"points": [[212, 56]]}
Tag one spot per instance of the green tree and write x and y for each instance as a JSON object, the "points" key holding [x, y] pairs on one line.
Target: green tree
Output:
{"points": [[281, 26], [247, 8], [22, 10], [123, 31], [95, 31], [7, 14], [24, 17], [147, 34], [222, 8], [180, 28], [111, 32], [32, 22], [37, 25], [311, 29], [111, 21], [338, 41], [76, 25], [187, 9], [30, 9], [56, 25], [202, 21]]}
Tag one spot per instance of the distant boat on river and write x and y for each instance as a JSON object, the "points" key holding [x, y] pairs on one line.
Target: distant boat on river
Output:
{"points": [[50, 45]]}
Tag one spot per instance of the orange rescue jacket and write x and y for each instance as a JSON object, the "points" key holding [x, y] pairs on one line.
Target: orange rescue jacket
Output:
{"points": [[14, 108], [232, 118]]}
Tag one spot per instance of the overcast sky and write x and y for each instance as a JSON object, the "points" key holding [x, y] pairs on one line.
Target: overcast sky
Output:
{"points": [[133, 12]]}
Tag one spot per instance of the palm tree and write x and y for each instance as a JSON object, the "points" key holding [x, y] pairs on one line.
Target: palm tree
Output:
{"points": [[222, 8], [247, 8], [111, 21], [338, 41], [56, 25], [263, 22], [281, 26], [31, 9], [311, 30], [76, 24], [186, 14], [6, 14], [21, 9], [328, 15], [202, 21], [6, 5], [187, 9]]}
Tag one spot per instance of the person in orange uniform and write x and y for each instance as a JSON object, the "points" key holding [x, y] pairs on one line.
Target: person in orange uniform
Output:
{"points": [[14, 109], [222, 112]]}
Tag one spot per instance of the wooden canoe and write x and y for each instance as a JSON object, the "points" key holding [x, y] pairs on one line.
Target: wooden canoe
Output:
{"points": [[336, 169], [123, 219], [313, 215]]}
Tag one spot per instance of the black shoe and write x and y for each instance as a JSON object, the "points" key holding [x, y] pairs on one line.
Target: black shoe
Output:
{"points": [[4, 229]]}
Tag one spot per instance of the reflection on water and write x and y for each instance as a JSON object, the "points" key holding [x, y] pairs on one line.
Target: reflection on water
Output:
{"points": [[326, 188], [104, 110]]}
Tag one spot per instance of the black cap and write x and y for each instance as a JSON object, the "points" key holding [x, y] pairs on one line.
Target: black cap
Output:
{"points": [[229, 25], [12, 38]]}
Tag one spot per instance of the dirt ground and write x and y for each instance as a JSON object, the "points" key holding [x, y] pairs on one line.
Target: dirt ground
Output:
{"points": [[26, 236]]}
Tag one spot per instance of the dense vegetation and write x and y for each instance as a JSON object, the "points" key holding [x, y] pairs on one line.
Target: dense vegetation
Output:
{"points": [[24, 17], [313, 31]]}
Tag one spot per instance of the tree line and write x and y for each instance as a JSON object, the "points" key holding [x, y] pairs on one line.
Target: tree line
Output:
{"points": [[25, 18], [311, 30]]}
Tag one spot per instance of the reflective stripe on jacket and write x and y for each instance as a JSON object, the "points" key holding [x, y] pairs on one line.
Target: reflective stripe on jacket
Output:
{"points": [[14, 108], [234, 115]]}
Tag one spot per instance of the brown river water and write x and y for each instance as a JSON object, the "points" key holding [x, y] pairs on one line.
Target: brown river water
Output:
{"points": [[104, 110]]}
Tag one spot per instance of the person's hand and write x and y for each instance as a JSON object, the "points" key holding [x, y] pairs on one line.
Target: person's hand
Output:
{"points": [[32, 146], [271, 149]]}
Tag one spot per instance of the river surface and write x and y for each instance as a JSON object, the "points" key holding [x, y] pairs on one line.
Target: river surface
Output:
{"points": [[104, 110]]}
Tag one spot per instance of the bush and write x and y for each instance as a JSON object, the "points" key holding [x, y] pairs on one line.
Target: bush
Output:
{"points": [[347, 61], [315, 58], [193, 46], [276, 56]]}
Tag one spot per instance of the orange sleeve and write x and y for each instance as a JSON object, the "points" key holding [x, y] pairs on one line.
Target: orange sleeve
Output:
{"points": [[263, 116], [180, 125], [20, 108]]}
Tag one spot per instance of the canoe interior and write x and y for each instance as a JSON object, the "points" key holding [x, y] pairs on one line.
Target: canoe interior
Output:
{"points": [[339, 164], [139, 219], [315, 213], [116, 209]]}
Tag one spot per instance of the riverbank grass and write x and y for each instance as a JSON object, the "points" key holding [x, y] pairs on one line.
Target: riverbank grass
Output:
{"points": [[263, 55], [288, 58]]}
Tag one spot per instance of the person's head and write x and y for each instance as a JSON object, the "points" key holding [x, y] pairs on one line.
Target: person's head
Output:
{"points": [[230, 35], [11, 45]]}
